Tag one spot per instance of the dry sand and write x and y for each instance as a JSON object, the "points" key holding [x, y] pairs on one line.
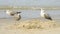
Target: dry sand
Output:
{"points": [[31, 26]]}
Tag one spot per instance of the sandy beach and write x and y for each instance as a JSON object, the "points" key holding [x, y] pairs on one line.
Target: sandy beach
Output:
{"points": [[31, 26]]}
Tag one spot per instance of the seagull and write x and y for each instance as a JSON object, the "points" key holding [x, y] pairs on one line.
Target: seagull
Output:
{"points": [[45, 15], [14, 14]]}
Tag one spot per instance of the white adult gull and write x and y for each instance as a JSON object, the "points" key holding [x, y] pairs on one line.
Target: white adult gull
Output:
{"points": [[45, 15], [16, 15]]}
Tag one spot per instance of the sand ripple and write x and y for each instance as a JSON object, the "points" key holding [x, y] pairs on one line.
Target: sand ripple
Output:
{"points": [[33, 24]]}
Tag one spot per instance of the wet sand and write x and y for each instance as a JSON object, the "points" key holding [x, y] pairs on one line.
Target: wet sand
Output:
{"points": [[31, 26]]}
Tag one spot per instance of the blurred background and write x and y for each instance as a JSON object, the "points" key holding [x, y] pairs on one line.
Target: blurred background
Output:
{"points": [[27, 14]]}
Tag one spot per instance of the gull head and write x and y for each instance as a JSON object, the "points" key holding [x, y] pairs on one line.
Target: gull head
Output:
{"points": [[7, 11], [42, 11]]}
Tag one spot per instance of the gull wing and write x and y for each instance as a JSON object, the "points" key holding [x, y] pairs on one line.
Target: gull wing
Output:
{"points": [[47, 16]]}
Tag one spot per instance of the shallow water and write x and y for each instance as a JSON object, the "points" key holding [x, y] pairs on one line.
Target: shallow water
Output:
{"points": [[27, 14]]}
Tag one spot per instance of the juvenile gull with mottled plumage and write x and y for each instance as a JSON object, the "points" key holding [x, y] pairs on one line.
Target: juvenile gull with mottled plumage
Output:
{"points": [[16, 15]]}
